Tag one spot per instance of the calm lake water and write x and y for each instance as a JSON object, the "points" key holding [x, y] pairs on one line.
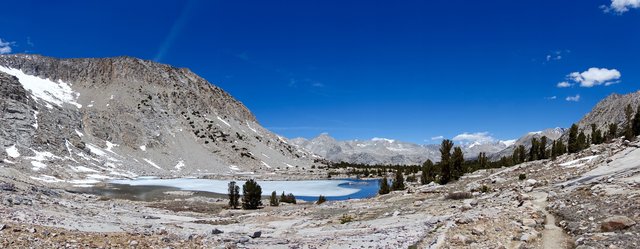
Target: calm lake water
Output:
{"points": [[151, 189]]}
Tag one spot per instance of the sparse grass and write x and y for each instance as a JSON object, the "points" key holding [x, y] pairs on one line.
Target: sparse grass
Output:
{"points": [[459, 195], [346, 219], [485, 189]]}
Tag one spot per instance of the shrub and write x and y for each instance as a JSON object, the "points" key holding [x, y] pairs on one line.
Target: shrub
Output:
{"points": [[459, 195], [273, 200], [321, 199], [251, 195], [346, 218], [290, 198], [411, 178], [485, 189], [521, 177]]}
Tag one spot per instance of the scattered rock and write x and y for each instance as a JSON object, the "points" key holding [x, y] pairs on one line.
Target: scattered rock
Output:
{"points": [[3, 226], [7, 186], [478, 230], [529, 222], [531, 182], [32, 230], [216, 231], [256, 235], [133, 243], [616, 223], [461, 239], [243, 240], [149, 217]]}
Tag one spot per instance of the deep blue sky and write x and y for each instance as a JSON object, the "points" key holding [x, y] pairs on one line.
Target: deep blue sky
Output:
{"points": [[409, 70]]}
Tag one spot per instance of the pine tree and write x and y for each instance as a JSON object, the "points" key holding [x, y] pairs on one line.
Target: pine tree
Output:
{"points": [[234, 195], [483, 162], [428, 172], [533, 151], [457, 160], [273, 200], [321, 199], [384, 186], [251, 195], [542, 148], [613, 131], [445, 161], [582, 141], [628, 113], [636, 122], [596, 135], [398, 181], [573, 139]]}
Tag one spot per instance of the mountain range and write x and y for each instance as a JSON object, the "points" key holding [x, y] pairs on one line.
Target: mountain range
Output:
{"points": [[387, 151], [95, 119]]}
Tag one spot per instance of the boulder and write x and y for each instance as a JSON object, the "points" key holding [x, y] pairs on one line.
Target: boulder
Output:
{"points": [[616, 223]]}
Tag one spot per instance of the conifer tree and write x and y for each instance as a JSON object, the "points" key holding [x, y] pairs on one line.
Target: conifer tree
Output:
{"points": [[457, 160], [533, 151], [542, 148], [251, 195], [582, 141], [398, 181], [628, 113], [596, 135], [636, 122], [573, 139], [234, 195], [445, 161], [613, 131], [430, 170], [483, 162], [273, 200], [384, 186]]}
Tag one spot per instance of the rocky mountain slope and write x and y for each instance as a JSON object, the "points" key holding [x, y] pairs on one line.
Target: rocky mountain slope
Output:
{"points": [[386, 151], [609, 110], [84, 120]]}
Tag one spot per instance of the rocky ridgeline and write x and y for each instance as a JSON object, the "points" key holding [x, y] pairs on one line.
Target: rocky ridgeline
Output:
{"points": [[94, 119], [609, 110]]}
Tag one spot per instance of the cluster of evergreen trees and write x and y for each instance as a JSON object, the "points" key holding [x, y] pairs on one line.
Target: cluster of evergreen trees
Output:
{"points": [[396, 184], [251, 195]]}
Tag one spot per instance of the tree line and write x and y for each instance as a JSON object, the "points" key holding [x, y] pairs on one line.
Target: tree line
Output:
{"points": [[453, 165]]}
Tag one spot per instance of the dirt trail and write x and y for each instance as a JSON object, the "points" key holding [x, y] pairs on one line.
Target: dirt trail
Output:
{"points": [[552, 236]]}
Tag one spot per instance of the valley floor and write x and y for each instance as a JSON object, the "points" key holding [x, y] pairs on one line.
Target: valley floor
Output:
{"points": [[584, 200]]}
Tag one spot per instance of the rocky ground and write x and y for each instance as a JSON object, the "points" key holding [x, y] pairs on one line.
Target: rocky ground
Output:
{"points": [[585, 200]]}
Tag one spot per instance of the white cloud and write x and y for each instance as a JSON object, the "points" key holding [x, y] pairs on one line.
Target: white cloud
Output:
{"points": [[573, 98], [480, 137], [5, 47], [621, 6], [595, 77], [552, 97], [564, 84], [437, 138]]}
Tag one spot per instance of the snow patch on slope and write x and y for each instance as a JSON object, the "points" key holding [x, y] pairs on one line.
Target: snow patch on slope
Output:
{"points": [[12, 151], [45, 89]]}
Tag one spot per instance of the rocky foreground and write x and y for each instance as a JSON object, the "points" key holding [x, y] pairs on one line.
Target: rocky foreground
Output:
{"points": [[585, 200]]}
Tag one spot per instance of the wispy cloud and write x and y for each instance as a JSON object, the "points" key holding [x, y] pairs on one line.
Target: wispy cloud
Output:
{"points": [[573, 98], [5, 46], [556, 55], [564, 84], [621, 6], [176, 28], [552, 97], [437, 138]]}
